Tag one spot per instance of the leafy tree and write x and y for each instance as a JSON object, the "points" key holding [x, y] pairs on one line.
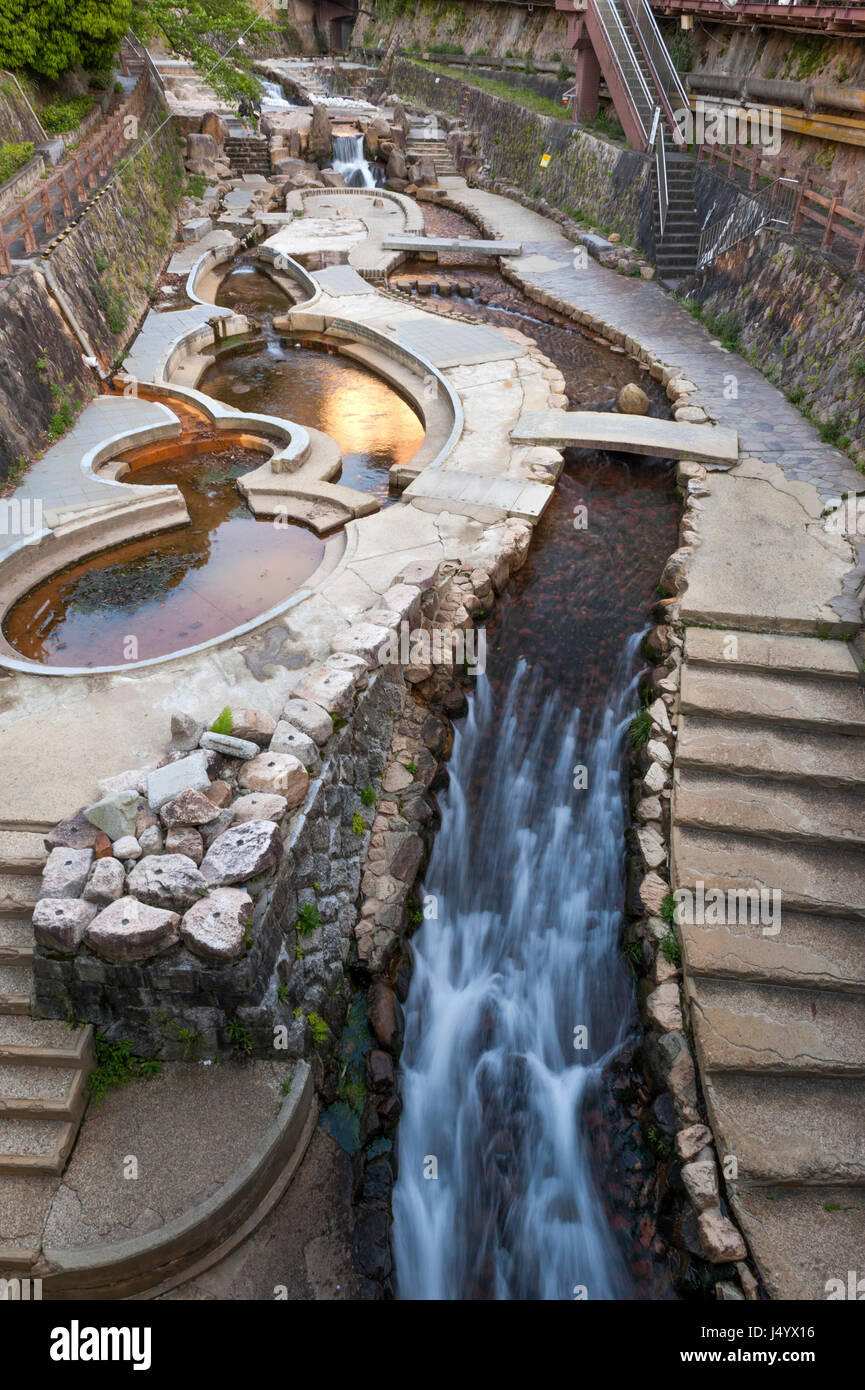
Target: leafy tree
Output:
{"points": [[50, 36], [205, 32]]}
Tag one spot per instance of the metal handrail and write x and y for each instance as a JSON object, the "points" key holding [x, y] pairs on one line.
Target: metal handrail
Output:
{"points": [[659, 145], [774, 206], [629, 68], [660, 60]]}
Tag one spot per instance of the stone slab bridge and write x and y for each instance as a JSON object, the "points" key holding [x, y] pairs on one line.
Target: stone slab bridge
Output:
{"points": [[627, 434], [435, 244]]}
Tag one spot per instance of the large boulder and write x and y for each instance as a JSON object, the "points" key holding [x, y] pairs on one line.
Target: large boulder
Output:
{"points": [[278, 774], [202, 147], [213, 126], [65, 873], [396, 166], [171, 881], [130, 931], [332, 178], [423, 172], [632, 400], [371, 142], [216, 927], [320, 137], [59, 924], [242, 852]]}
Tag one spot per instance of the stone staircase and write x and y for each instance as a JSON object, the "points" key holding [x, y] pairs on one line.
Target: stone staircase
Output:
{"points": [[676, 252], [767, 794], [248, 154], [434, 147], [43, 1077]]}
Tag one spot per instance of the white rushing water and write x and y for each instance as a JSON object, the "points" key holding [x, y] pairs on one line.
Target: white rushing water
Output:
{"points": [[273, 98], [350, 161], [526, 874]]}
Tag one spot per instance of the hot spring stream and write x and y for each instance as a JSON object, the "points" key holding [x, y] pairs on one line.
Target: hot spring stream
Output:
{"points": [[519, 995]]}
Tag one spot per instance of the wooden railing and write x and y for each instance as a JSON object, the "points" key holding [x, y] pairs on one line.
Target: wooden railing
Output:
{"points": [[818, 198], [74, 180]]}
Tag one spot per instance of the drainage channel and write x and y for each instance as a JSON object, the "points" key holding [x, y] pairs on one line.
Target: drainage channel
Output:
{"points": [[525, 1145]]}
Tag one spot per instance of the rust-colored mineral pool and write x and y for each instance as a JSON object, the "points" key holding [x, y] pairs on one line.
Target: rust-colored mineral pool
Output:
{"points": [[165, 592], [304, 380]]}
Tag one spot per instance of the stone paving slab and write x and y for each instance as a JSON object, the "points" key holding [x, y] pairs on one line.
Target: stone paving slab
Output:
{"points": [[629, 434], [160, 331], [785, 1129], [190, 1127], [509, 495], [448, 343], [770, 651], [765, 562]]}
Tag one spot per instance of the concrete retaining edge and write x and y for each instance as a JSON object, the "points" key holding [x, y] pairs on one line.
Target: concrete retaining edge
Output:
{"points": [[202, 1235]]}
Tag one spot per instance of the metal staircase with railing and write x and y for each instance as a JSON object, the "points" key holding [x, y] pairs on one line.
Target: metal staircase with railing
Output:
{"points": [[649, 100]]}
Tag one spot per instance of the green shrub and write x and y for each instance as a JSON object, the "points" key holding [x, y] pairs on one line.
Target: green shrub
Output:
{"points": [[65, 115], [13, 157], [671, 948], [308, 919], [640, 728], [319, 1029]]}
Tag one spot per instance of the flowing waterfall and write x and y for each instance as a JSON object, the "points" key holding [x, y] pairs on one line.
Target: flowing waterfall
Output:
{"points": [[350, 161], [273, 97], [527, 879]]}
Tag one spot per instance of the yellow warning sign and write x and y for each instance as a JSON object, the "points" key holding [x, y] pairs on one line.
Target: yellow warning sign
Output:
{"points": [[545, 159]]}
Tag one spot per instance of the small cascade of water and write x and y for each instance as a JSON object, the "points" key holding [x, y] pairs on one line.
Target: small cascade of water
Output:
{"points": [[273, 97], [350, 161], [527, 877]]}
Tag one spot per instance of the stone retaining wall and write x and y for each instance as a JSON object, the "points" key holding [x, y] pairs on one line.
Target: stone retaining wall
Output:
{"points": [[106, 268], [801, 321], [180, 1004]]}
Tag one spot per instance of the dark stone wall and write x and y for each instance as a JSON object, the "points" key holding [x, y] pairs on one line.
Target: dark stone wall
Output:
{"points": [[801, 321]]}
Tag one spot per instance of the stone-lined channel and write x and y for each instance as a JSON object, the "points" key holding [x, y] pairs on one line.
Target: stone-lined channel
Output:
{"points": [[545, 1180]]}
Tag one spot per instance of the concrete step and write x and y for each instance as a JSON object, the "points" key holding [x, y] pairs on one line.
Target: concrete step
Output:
{"points": [[808, 951], [790, 1129], [802, 701], [759, 1028], [803, 1237], [18, 893], [770, 751], [778, 653], [16, 935], [35, 1145], [15, 980], [811, 878], [44, 1042], [52, 1093], [22, 852], [773, 810]]}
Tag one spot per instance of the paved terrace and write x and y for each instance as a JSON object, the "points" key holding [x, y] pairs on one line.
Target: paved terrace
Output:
{"points": [[768, 775]]}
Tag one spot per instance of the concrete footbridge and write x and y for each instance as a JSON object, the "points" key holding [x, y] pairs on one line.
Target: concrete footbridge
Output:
{"points": [[473, 246], [628, 434]]}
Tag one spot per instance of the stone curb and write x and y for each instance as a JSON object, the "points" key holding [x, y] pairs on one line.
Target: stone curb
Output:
{"points": [[203, 1233]]}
